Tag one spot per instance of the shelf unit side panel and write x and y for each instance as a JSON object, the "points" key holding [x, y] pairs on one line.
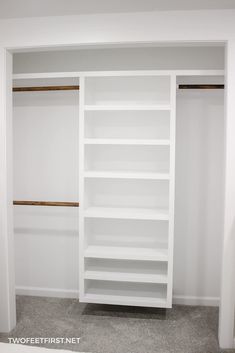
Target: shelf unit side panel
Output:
{"points": [[171, 191], [81, 189]]}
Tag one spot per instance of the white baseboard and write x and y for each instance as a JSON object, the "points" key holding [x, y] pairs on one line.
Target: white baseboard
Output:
{"points": [[47, 292], [73, 293], [193, 300]]}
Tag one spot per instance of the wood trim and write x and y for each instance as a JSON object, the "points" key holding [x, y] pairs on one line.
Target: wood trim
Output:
{"points": [[200, 86], [45, 88], [46, 203]]}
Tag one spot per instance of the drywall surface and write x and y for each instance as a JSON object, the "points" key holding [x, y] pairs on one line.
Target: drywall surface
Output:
{"points": [[12, 9], [121, 59], [217, 25], [46, 168]]}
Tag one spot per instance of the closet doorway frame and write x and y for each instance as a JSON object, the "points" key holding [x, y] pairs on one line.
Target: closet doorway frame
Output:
{"points": [[7, 278]]}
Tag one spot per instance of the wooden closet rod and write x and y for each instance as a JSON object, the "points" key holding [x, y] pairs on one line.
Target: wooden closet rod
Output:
{"points": [[200, 86], [45, 88], [46, 203]]}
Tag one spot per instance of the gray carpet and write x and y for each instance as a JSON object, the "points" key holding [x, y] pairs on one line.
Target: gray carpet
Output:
{"points": [[115, 329]]}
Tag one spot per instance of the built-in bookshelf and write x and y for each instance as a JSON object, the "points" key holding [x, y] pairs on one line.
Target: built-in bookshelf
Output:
{"points": [[127, 167]]}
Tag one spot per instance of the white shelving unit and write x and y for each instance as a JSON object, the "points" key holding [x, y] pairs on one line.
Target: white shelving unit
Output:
{"points": [[126, 214]]}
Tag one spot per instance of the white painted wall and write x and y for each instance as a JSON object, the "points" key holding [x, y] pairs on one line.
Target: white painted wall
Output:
{"points": [[138, 58], [122, 28], [14, 9], [46, 168]]}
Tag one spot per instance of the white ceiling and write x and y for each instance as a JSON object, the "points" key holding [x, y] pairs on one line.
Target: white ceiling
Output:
{"points": [[36, 8]]}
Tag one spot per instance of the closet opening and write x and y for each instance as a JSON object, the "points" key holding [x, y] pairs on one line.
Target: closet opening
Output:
{"points": [[118, 174]]}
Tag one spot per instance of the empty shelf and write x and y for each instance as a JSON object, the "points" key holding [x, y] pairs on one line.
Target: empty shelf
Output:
{"points": [[126, 253], [129, 107], [135, 142], [128, 293], [125, 277], [124, 300], [127, 213], [126, 175]]}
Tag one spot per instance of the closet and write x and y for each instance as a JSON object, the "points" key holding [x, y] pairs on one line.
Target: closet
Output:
{"points": [[120, 141]]}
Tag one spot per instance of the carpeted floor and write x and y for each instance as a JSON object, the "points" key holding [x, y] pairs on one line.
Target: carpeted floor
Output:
{"points": [[114, 329]]}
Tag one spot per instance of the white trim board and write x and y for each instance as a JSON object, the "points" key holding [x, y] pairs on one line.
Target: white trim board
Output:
{"points": [[73, 294], [194, 300], [47, 292]]}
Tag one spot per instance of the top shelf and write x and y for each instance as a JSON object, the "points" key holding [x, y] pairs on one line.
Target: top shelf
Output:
{"points": [[77, 74]]}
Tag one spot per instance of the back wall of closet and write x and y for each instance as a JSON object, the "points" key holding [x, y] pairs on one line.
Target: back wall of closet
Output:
{"points": [[46, 168]]}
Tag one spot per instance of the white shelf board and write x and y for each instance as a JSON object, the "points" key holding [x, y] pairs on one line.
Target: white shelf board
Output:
{"points": [[118, 73], [137, 142], [126, 175], [128, 107], [125, 277], [126, 253], [43, 75], [127, 213], [124, 300], [127, 73]]}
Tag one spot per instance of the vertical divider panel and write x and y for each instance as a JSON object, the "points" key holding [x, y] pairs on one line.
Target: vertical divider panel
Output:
{"points": [[171, 190], [81, 186]]}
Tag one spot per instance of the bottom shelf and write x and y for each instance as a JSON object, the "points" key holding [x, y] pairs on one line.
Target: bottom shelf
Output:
{"points": [[120, 300], [120, 293]]}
